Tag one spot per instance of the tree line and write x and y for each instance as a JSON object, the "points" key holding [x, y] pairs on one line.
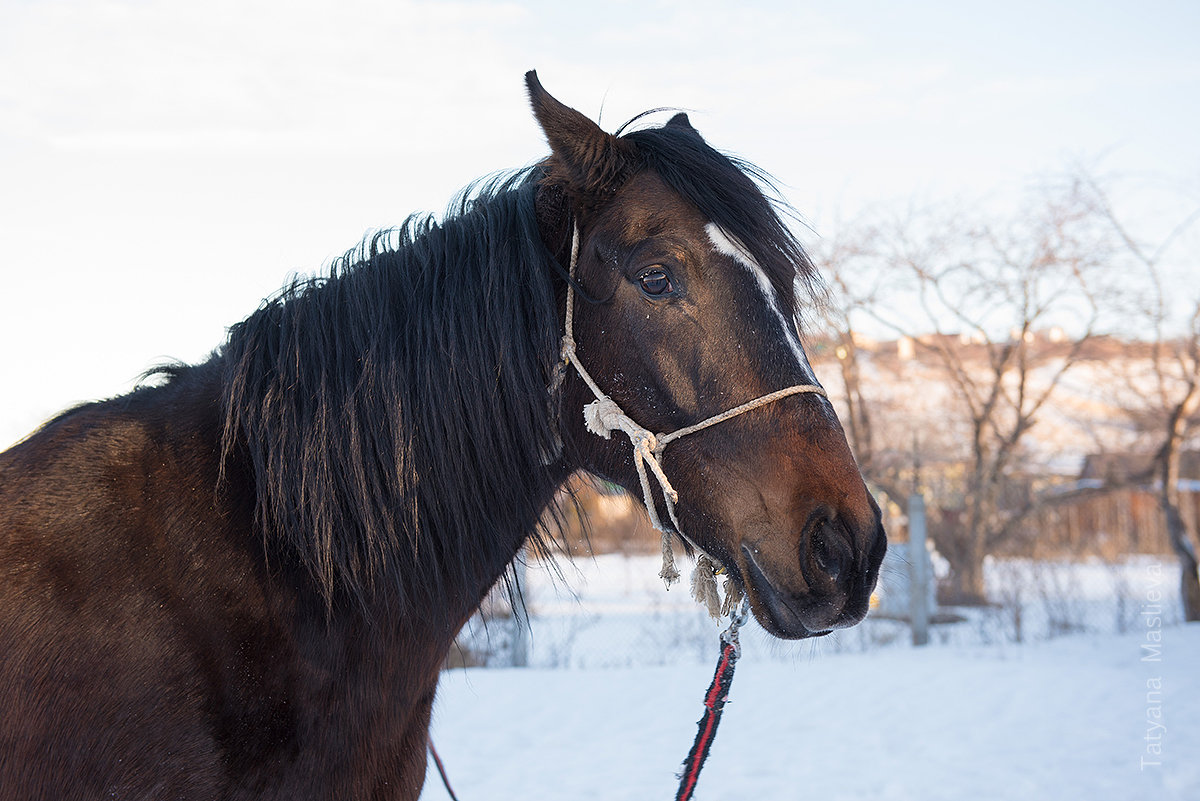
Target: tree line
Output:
{"points": [[1003, 316]]}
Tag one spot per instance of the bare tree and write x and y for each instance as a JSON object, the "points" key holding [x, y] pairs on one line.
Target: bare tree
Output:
{"points": [[847, 299], [988, 292], [1170, 400]]}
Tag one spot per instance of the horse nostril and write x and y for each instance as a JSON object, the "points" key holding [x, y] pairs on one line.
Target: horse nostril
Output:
{"points": [[829, 551]]}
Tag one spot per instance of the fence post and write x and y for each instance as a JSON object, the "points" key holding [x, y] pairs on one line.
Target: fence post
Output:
{"points": [[520, 614], [918, 574]]}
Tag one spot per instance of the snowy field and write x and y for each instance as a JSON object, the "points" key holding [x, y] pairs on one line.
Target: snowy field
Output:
{"points": [[1087, 716], [612, 611]]}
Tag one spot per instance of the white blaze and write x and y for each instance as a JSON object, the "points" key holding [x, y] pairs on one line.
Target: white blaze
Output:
{"points": [[728, 246]]}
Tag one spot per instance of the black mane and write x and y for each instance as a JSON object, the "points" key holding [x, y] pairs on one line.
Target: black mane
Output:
{"points": [[385, 408]]}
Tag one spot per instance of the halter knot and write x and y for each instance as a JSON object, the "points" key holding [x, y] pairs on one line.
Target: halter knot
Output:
{"points": [[568, 348], [603, 416]]}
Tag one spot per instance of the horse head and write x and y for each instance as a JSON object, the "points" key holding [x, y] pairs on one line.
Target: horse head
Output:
{"points": [[687, 307]]}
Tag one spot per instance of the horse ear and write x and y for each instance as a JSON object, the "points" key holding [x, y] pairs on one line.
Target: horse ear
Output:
{"points": [[681, 120], [593, 162]]}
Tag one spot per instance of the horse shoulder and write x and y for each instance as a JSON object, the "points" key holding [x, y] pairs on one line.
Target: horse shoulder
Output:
{"points": [[158, 650], [132, 608]]}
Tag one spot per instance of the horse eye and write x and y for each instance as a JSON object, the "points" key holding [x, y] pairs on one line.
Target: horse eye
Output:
{"points": [[656, 282]]}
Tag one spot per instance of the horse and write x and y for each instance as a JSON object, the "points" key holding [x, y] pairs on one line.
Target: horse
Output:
{"points": [[241, 579]]}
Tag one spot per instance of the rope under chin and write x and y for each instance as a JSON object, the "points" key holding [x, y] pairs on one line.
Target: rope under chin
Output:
{"points": [[603, 416]]}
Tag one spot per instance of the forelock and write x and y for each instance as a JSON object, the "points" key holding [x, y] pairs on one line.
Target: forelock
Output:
{"points": [[738, 197]]}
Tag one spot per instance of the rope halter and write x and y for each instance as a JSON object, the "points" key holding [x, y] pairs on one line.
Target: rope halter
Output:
{"points": [[604, 416]]}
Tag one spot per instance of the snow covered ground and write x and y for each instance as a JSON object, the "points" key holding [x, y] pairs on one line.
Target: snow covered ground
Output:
{"points": [[1089, 716], [1077, 718]]}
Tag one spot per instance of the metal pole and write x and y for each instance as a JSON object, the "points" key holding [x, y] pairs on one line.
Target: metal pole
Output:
{"points": [[520, 615], [918, 583]]}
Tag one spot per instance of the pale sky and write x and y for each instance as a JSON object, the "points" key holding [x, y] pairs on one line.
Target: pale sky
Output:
{"points": [[164, 166]]}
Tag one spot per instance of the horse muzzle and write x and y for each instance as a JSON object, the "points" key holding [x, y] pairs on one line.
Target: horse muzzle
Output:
{"points": [[824, 585]]}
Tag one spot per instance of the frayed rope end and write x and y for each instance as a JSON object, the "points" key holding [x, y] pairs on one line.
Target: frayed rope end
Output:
{"points": [[669, 573], [704, 586], [733, 596]]}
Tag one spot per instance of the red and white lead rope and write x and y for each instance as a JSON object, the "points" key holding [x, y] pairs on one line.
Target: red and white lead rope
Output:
{"points": [[714, 705]]}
